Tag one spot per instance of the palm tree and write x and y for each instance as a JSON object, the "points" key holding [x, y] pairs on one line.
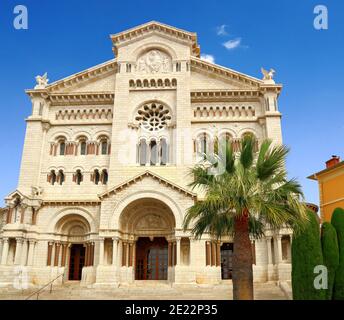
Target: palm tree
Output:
{"points": [[245, 192]]}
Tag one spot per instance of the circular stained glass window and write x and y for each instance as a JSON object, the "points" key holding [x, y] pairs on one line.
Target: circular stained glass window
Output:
{"points": [[153, 117]]}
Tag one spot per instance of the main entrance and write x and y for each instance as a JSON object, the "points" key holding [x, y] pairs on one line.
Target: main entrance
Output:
{"points": [[151, 259], [76, 261]]}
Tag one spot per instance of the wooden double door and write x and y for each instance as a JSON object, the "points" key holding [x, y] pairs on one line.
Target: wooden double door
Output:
{"points": [[76, 262], [151, 259], [226, 260]]}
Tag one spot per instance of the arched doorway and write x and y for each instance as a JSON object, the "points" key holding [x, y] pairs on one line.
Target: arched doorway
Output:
{"points": [[151, 223], [77, 251], [151, 259]]}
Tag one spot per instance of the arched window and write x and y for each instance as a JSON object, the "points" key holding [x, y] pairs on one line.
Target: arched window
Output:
{"points": [[153, 148], [142, 152], [83, 147], [104, 177], [78, 177], [225, 140], [62, 144], [52, 177], [60, 177], [204, 143], [96, 176], [104, 146], [163, 152]]}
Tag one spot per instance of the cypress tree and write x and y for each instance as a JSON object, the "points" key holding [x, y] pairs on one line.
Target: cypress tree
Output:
{"points": [[338, 222], [306, 255], [330, 254]]}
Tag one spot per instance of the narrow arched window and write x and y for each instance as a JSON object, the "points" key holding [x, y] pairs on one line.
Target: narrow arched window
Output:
{"points": [[203, 143], [104, 147], [62, 148], [153, 153], [163, 152], [105, 177], [96, 176], [78, 177], [83, 147], [52, 177], [142, 152], [60, 177]]}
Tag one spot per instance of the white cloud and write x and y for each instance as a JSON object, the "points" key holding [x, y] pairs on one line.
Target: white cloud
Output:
{"points": [[221, 30], [208, 57], [232, 44]]}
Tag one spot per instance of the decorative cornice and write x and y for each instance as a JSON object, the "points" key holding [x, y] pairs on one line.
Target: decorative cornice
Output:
{"points": [[139, 177], [153, 26], [225, 95], [82, 98], [70, 202]]}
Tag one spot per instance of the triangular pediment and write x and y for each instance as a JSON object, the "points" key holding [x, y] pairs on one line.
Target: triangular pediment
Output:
{"points": [[144, 175], [154, 27], [221, 77], [100, 78]]}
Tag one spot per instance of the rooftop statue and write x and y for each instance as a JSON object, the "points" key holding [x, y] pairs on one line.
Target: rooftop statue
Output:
{"points": [[42, 81], [268, 75]]}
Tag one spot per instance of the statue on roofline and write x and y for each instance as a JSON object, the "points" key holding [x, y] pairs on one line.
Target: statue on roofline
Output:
{"points": [[42, 81]]}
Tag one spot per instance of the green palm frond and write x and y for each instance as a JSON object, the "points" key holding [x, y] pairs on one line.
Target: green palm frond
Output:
{"points": [[234, 184]]}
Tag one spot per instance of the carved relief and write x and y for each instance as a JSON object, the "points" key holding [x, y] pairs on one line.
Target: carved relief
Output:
{"points": [[76, 231], [154, 61], [151, 222]]}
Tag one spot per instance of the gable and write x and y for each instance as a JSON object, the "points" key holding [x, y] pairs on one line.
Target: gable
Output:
{"points": [[156, 28], [101, 83], [148, 175], [206, 75], [203, 80], [100, 78]]}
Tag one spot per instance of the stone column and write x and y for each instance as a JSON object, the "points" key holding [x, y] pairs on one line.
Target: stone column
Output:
{"points": [[268, 245], [92, 254], [31, 252], [22, 214], [208, 253], [1, 247], [218, 254], [130, 254], [170, 246], [101, 251], [24, 253], [18, 254], [50, 253], [127, 255], [120, 253], [87, 254], [5, 248], [57, 254], [213, 253], [279, 248], [114, 251], [178, 251]]}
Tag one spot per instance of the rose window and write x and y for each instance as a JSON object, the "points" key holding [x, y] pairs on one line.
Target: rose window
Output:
{"points": [[153, 117]]}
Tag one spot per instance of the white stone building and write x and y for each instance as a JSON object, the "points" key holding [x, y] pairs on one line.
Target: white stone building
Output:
{"points": [[103, 185]]}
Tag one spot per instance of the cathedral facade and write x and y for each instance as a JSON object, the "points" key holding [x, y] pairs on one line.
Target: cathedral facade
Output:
{"points": [[105, 173]]}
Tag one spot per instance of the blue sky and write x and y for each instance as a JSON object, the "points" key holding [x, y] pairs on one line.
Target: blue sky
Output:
{"points": [[65, 37]]}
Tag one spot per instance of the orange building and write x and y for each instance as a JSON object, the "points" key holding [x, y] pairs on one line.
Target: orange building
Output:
{"points": [[331, 187]]}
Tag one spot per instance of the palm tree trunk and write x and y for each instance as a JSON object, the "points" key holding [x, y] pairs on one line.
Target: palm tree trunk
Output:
{"points": [[242, 260]]}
